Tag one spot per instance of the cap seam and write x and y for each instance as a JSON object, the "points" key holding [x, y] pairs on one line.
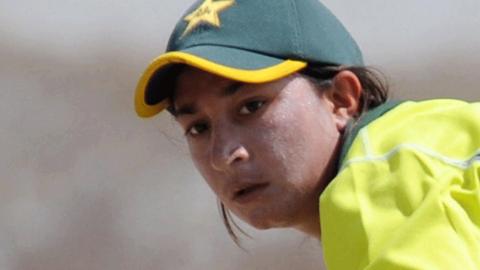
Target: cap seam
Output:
{"points": [[296, 30]]}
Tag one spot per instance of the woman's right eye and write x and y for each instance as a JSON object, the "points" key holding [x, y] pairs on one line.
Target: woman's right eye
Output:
{"points": [[196, 129]]}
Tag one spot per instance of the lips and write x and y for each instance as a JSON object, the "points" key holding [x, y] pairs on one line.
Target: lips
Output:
{"points": [[249, 192]]}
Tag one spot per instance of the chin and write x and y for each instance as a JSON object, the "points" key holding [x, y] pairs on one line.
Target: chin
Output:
{"points": [[261, 226], [259, 222], [262, 222]]}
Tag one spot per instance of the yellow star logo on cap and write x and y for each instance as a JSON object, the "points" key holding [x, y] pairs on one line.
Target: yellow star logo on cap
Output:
{"points": [[207, 12]]}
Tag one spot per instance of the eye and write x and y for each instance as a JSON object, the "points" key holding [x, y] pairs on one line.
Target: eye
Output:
{"points": [[251, 107], [196, 129]]}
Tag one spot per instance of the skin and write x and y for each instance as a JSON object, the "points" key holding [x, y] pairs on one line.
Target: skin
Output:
{"points": [[277, 142]]}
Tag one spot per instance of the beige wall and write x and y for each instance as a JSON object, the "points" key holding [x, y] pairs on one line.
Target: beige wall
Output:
{"points": [[84, 184]]}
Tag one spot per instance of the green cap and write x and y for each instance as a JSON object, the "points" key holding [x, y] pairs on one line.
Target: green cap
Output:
{"points": [[252, 41]]}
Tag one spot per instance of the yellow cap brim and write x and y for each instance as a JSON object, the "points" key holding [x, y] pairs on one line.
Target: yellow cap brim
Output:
{"points": [[284, 68]]}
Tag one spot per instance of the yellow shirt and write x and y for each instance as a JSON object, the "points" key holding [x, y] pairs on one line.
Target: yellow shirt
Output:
{"points": [[407, 195]]}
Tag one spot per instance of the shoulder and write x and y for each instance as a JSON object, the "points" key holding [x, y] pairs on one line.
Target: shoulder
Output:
{"points": [[448, 128], [398, 189]]}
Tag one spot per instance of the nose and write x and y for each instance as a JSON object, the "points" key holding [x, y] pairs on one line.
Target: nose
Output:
{"points": [[227, 151]]}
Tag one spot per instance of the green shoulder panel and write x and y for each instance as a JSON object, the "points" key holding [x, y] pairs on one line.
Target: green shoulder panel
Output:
{"points": [[354, 126]]}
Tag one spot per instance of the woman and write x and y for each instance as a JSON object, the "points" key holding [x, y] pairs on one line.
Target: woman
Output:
{"points": [[289, 129]]}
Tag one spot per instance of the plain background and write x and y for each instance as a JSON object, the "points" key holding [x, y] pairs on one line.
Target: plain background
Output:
{"points": [[85, 184]]}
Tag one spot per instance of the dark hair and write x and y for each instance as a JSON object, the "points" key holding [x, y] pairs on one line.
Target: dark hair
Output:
{"points": [[375, 93], [374, 85]]}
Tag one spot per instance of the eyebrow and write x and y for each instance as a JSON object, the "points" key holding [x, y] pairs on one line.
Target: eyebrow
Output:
{"points": [[187, 109], [231, 89], [192, 108]]}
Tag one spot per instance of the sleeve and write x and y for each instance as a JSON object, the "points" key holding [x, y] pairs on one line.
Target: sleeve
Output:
{"points": [[422, 215], [408, 194]]}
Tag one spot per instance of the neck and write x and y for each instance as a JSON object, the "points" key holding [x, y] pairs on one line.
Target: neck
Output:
{"points": [[311, 226], [310, 223]]}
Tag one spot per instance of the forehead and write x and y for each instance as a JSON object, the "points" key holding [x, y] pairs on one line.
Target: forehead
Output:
{"points": [[192, 82], [195, 87]]}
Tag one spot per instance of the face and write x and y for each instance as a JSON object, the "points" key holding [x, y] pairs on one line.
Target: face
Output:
{"points": [[266, 150]]}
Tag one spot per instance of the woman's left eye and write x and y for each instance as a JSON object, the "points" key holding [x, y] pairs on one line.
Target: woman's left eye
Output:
{"points": [[251, 106]]}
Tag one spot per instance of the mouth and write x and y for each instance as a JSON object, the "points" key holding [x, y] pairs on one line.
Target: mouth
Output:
{"points": [[249, 193]]}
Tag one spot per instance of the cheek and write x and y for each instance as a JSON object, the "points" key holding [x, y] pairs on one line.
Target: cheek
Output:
{"points": [[299, 139]]}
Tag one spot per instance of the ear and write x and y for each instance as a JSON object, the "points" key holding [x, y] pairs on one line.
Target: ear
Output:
{"points": [[344, 97]]}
